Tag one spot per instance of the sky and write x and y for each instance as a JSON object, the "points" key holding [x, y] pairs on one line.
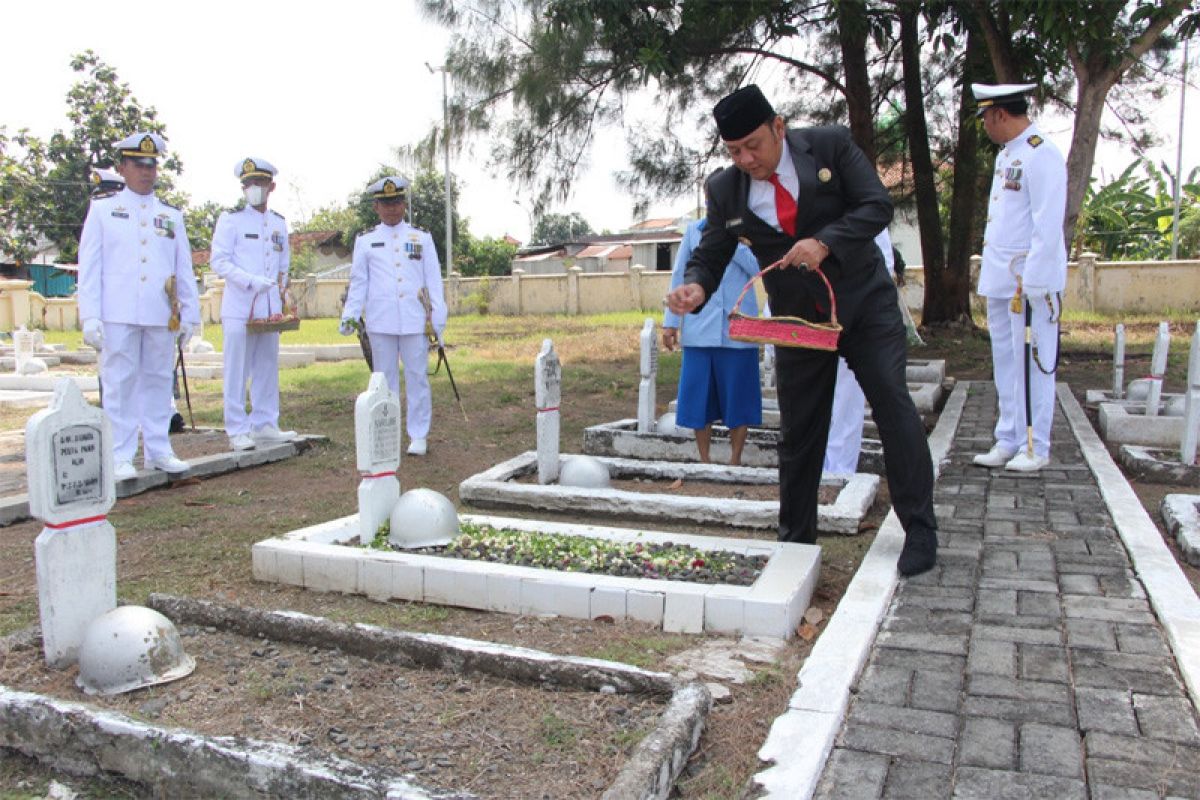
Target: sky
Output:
{"points": [[325, 92]]}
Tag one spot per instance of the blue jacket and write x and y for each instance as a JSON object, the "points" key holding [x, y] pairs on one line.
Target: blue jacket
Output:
{"points": [[709, 327]]}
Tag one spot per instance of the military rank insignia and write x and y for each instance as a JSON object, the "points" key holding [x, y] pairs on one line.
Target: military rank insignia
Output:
{"points": [[1035, 140], [164, 226], [413, 247]]}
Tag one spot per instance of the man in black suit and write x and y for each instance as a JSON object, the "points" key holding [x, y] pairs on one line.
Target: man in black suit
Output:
{"points": [[820, 206]]}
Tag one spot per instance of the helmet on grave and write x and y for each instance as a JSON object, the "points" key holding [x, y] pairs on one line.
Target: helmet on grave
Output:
{"points": [[128, 648]]}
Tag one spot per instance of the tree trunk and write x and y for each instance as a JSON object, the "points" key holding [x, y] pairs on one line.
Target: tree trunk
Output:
{"points": [[916, 129], [852, 36], [1088, 109], [954, 301]]}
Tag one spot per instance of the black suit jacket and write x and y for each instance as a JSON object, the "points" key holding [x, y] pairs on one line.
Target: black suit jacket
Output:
{"points": [[841, 202]]}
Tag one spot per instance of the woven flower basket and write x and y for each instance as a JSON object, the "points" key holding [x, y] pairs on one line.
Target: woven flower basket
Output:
{"points": [[785, 331], [273, 323]]}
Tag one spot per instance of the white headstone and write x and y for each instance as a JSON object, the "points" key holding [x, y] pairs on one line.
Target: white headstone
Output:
{"points": [[69, 467], [1119, 362], [1191, 407], [547, 397], [768, 366], [647, 386], [377, 450], [24, 347], [1158, 368]]}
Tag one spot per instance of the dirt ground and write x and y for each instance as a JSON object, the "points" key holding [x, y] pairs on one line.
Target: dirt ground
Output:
{"points": [[194, 539]]}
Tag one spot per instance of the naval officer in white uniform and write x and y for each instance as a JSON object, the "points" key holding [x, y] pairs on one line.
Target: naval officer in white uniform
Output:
{"points": [[250, 251], [1024, 262], [132, 243], [392, 264]]}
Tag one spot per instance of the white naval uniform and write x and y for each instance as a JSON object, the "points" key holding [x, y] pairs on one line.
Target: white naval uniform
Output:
{"points": [[849, 413], [1024, 231], [250, 243], [131, 245], [391, 264]]}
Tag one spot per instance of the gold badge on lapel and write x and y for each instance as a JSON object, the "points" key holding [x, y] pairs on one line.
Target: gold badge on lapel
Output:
{"points": [[824, 175]]}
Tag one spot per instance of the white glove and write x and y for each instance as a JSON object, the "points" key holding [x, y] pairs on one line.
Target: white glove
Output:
{"points": [[441, 339], [260, 283], [185, 332], [93, 333], [347, 326], [1034, 292]]}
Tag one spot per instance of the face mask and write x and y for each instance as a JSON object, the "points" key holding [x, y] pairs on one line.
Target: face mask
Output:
{"points": [[255, 195]]}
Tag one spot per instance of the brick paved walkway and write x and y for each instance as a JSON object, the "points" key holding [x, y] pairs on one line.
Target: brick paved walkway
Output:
{"points": [[1029, 664]]}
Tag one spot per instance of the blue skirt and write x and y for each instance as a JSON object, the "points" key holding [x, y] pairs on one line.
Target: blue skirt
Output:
{"points": [[719, 383]]}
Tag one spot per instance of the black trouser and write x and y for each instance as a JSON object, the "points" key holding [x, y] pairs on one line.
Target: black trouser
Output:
{"points": [[873, 344]]}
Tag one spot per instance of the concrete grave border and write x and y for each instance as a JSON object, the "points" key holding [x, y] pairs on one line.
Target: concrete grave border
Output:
{"points": [[1119, 425], [1182, 519], [801, 738], [621, 439], [84, 741], [15, 508], [497, 488], [1158, 465], [317, 558]]}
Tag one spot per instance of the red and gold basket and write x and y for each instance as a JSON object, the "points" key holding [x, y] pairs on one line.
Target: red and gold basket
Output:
{"points": [[286, 320], [785, 331]]}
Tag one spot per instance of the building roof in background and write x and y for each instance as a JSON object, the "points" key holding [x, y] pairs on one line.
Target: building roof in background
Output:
{"points": [[611, 251]]}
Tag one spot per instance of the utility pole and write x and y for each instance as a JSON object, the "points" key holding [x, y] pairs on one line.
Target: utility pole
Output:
{"points": [[446, 175]]}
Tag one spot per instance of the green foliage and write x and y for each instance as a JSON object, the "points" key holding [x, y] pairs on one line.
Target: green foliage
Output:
{"points": [[559, 228], [45, 183], [200, 221], [1129, 218], [480, 257]]}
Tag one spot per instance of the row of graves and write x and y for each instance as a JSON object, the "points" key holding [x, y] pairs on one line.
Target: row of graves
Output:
{"points": [[1157, 432], [414, 545]]}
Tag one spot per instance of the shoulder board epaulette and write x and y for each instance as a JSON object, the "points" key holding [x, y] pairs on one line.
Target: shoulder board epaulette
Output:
{"points": [[276, 213], [102, 195], [168, 205], [1035, 140], [418, 230], [368, 230]]}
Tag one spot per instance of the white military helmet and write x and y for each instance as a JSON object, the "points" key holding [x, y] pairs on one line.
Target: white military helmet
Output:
{"points": [[584, 472], [130, 647], [423, 518]]}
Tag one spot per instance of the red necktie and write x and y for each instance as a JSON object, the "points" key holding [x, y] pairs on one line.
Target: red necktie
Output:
{"points": [[785, 207]]}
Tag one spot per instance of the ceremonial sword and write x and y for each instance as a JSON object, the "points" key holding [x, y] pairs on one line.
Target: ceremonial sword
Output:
{"points": [[434, 341]]}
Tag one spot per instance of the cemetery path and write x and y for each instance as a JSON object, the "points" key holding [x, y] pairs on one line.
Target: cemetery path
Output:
{"points": [[1036, 659]]}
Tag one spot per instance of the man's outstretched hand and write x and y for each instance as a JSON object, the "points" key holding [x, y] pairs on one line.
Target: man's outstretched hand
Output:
{"points": [[686, 298]]}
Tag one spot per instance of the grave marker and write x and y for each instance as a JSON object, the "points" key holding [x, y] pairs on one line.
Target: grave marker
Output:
{"points": [[1119, 362], [1158, 368], [547, 397], [647, 387], [377, 448], [69, 466], [1191, 403]]}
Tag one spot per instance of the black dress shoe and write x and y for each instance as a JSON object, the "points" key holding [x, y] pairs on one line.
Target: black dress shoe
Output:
{"points": [[919, 553], [176, 423]]}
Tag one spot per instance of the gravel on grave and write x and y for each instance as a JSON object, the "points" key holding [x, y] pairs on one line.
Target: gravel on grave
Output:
{"points": [[826, 495], [449, 731]]}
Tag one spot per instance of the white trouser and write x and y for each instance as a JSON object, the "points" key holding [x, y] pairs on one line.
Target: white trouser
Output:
{"points": [[135, 369], [250, 358], [1008, 370], [413, 349], [846, 424]]}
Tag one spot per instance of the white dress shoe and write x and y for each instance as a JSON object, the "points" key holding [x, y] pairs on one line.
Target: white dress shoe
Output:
{"points": [[1023, 462], [124, 471], [269, 433], [417, 447], [998, 456], [241, 441], [170, 465]]}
